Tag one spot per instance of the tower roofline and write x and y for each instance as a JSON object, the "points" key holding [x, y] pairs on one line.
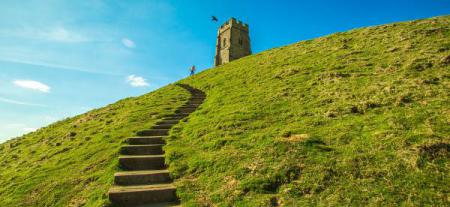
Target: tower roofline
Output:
{"points": [[233, 22]]}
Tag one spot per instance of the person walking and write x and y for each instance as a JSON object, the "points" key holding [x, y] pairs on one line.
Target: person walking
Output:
{"points": [[192, 70]]}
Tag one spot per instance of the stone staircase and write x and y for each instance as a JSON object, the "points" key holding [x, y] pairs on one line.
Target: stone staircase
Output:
{"points": [[145, 180]]}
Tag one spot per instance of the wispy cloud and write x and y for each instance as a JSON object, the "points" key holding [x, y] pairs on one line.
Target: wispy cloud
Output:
{"points": [[29, 129], [128, 43], [57, 66], [137, 81], [61, 34], [53, 34], [32, 85], [11, 101]]}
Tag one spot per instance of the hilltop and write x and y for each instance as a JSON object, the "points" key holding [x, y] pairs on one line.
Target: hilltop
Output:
{"points": [[353, 118]]}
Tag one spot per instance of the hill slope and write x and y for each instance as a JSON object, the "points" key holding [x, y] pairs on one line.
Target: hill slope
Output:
{"points": [[72, 162], [357, 118]]}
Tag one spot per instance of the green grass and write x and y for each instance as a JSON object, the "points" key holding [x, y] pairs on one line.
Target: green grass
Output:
{"points": [[72, 162], [355, 118]]}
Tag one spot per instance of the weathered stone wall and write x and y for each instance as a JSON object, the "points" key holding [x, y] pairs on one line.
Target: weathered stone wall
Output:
{"points": [[233, 42]]}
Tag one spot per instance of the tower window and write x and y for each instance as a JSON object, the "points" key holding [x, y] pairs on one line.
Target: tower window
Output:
{"points": [[240, 41], [224, 42]]}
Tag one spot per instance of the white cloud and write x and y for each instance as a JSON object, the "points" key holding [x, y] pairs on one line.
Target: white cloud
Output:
{"points": [[10, 101], [128, 43], [137, 81], [29, 129], [57, 66], [54, 34], [11, 130], [61, 34], [33, 85]]}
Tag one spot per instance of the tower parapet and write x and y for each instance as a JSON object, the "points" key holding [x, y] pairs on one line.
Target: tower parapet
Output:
{"points": [[233, 42]]}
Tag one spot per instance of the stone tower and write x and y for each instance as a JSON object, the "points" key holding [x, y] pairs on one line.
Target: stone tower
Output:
{"points": [[233, 42]]}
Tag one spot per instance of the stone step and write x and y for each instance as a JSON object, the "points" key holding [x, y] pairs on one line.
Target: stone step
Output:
{"points": [[195, 102], [168, 122], [180, 114], [146, 183], [191, 105], [165, 204], [186, 110], [172, 119], [183, 112], [188, 107], [142, 177], [151, 149], [142, 162], [197, 96], [193, 90], [142, 194], [176, 117], [153, 132], [145, 140], [196, 91], [162, 126], [196, 99]]}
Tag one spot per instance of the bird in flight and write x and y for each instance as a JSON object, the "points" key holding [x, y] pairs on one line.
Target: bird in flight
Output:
{"points": [[214, 19]]}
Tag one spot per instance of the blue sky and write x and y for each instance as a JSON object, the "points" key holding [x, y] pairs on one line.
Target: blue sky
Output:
{"points": [[59, 58]]}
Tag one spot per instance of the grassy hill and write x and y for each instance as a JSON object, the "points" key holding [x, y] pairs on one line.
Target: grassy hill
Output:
{"points": [[354, 118], [72, 162]]}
